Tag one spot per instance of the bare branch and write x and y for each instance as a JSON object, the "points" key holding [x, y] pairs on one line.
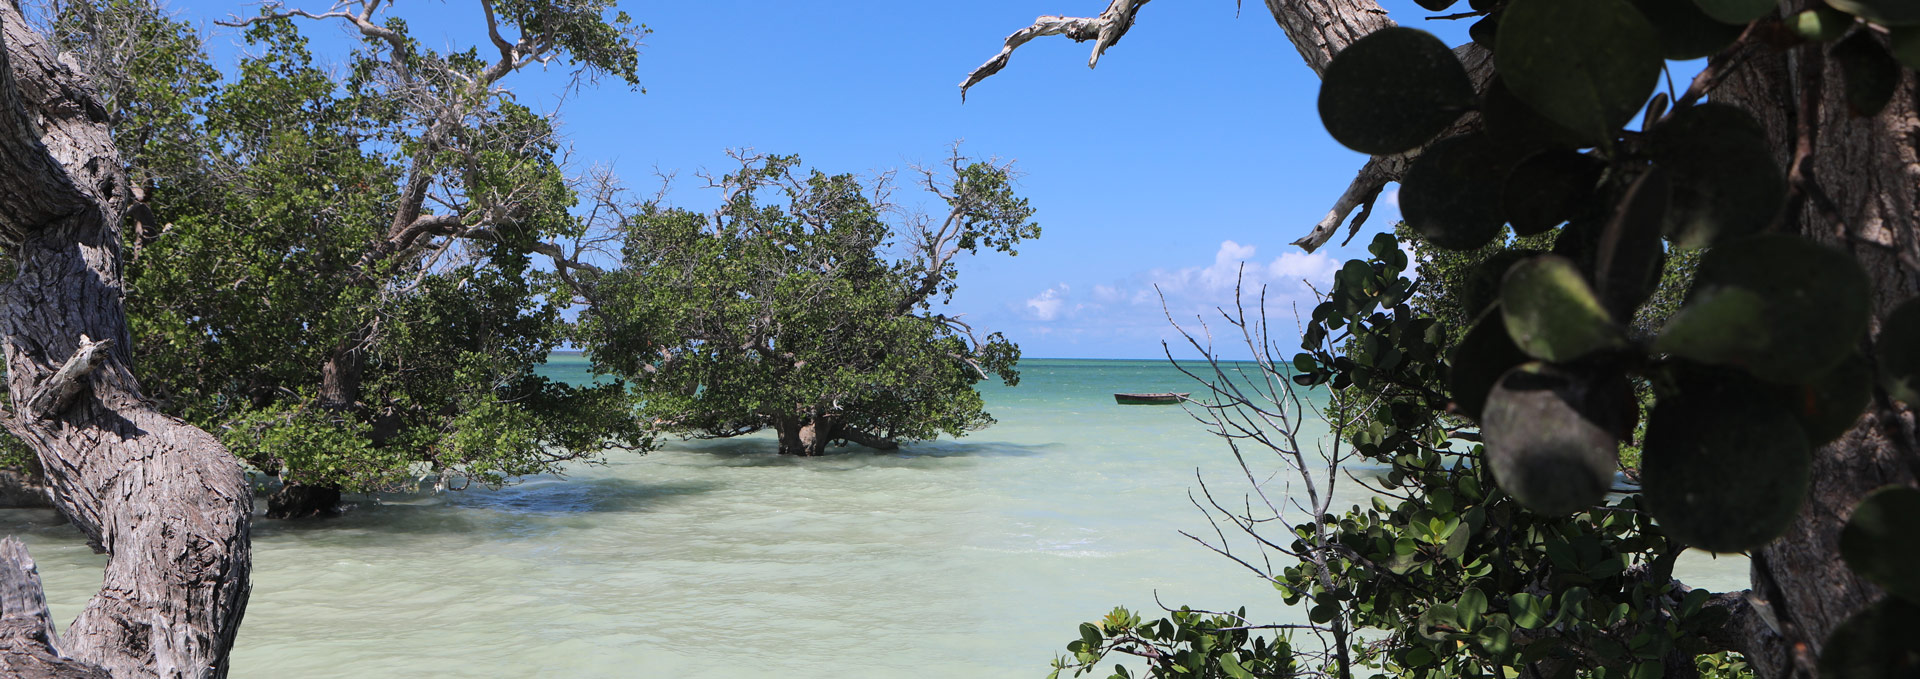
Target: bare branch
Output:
{"points": [[58, 390], [1104, 30]]}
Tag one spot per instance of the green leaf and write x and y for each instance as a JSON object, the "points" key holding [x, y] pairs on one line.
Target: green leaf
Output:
{"points": [[1628, 259], [1822, 23], [1880, 642], [1552, 438], [1548, 189], [1685, 31], [1438, 622], [1884, 12], [1393, 90], [1551, 313], [1725, 183], [1451, 194], [1231, 666], [1518, 127], [1724, 467], [1472, 605], [1586, 64], [1882, 541], [1735, 11], [1898, 348], [1528, 611], [1477, 363], [1829, 406], [1871, 73], [1904, 44], [1782, 307]]}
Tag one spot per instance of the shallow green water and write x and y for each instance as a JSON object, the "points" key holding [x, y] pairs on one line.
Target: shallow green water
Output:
{"points": [[968, 558]]}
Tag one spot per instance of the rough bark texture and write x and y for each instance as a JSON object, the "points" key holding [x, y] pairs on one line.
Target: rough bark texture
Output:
{"points": [[1862, 182], [165, 499]]}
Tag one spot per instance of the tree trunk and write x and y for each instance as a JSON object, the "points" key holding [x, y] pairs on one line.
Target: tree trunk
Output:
{"points": [[1869, 168], [165, 499], [807, 436], [301, 501]]}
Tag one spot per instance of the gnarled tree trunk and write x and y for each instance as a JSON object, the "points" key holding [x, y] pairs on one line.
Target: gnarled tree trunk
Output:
{"points": [[165, 499], [1861, 180]]}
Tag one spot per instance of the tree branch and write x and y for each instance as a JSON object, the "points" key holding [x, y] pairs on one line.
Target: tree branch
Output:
{"points": [[1104, 30], [53, 395]]}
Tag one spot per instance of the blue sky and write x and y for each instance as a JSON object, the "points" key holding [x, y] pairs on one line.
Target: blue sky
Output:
{"points": [[1194, 147]]}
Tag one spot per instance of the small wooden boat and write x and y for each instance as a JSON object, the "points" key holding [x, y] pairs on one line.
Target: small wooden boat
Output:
{"points": [[1163, 398]]}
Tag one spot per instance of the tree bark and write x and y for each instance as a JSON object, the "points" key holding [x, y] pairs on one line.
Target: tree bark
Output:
{"points": [[806, 436], [165, 499], [1861, 184]]}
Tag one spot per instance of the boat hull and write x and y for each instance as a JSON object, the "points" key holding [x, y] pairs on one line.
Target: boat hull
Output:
{"points": [[1149, 399]]}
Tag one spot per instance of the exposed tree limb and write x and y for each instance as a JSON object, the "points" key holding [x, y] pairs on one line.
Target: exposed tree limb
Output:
{"points": [[1103, 30], [57, 391]]}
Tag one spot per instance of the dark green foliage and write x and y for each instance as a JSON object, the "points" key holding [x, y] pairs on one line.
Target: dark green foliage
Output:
{"points": [[1879, 541], [1870, 71], [1628, 259], [1549, 188], [1829, 405], [1586, 64], [1783, 307], [781, 309], [1514, 124], [1904, 43], [1551, 312], [1187, 644], [1478, 362], [1725, 465], [1822, 23], [1899, 352], [1452, 192], [1552, 436], [1725, 182], [1884, 12], [274, 196], [1687, 32], [1392, 91], [1736, 12], [1880, 642]]}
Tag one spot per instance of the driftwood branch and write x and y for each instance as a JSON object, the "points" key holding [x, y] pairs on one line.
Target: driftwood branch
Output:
{"points": [[1361, 194], [57, 391], [1103, 30], [26, 627]]}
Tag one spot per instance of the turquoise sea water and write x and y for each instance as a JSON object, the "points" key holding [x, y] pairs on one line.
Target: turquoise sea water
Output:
{"points": [[974, 557]]}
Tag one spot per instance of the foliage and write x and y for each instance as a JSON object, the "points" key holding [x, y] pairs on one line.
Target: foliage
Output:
{"points": [[1726, 353], [1187, 643], [782, 311], [338, 276]]}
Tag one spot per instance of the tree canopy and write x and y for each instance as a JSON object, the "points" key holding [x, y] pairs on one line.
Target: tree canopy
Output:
{"points": [[783, 309]]}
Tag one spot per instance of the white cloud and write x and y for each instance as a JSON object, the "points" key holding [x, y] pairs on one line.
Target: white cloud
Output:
{"points": [[1046, 306]]}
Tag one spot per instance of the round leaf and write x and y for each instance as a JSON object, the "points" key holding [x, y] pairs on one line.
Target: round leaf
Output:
{"points": [[1451, 194], [1551, 313], [1884, 12], [1880, 642], [1482, 356], [1685, 31], [1393, 90], [1898, 348], [1735, 11], [1725, 183], [1723, 467], [1821, 24], [1586, 64], [1551, 437], [1904, 43], [1513, 124], [1871, 73], [1548, 189], [1628, 256], [1782, 307], [1878, 542], [1830, 405]]}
